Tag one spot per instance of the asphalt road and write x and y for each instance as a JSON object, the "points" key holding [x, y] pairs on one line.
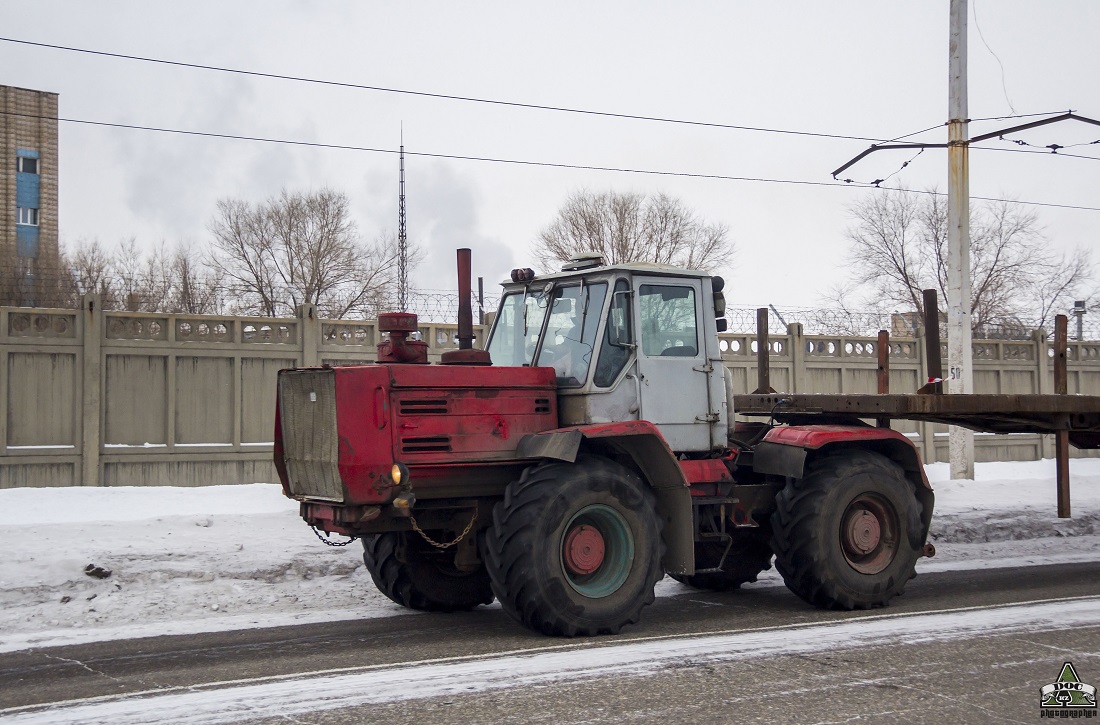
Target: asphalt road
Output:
{"points": [[984, 675]]}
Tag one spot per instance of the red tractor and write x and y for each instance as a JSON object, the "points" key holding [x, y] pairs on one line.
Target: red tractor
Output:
{"points": [[586, 452]]}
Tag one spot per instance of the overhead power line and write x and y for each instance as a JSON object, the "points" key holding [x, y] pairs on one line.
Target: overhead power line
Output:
{"points": [[453, 97], [515, 162], [424, 154], [983, 198], [1000, 134], [1004, 84]]}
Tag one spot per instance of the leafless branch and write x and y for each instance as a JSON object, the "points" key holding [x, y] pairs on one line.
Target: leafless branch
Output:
{"points": [[630, 227]]}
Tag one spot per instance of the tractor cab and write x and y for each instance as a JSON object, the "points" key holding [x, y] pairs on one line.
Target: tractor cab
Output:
{"points": [[626, 342]]}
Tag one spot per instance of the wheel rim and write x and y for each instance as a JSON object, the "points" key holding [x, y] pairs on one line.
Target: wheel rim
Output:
{"points": [[869, 533], [597, 551]]}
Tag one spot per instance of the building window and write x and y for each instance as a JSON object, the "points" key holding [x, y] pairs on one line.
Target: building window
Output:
{"points": [[25, 165], [26, 215]]}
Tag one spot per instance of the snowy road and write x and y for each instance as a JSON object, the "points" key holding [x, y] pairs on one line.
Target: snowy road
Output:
{"points": [[279, 619], [434, 668], [188, 560]]}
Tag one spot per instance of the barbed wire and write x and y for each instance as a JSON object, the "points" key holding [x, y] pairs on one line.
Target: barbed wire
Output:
{"points": [[441, 307], [848, 323]]}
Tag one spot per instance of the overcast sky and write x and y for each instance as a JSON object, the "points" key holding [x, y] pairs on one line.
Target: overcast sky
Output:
{"points": [[873, 69]]}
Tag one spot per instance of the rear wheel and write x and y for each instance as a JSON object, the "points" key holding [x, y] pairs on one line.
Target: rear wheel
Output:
{"points": [[747, 557], [575, 549], [416, 575], [848, 535]]}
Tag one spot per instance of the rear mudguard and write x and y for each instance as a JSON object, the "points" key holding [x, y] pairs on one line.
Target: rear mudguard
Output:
{"points": [[785, 450], [654, 461]]}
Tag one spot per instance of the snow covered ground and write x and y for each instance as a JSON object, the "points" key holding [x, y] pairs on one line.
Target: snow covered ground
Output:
{"points": [[186, 560]]}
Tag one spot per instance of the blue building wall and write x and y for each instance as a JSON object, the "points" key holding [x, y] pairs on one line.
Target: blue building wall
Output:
{"points": [[26, 241], [28, 190], [28, 194]]}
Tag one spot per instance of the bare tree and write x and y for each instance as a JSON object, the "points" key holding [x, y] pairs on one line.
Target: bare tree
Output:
{"points": [[160, 279], [145, 280], [299, 248], [17, 288], [34, 282], [197, 288], [90, 267], [630, 227], [244, 255], [899, 248]]}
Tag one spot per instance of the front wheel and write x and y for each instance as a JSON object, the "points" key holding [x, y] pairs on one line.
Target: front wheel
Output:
{"points": [[848, 535], [575, 548]]}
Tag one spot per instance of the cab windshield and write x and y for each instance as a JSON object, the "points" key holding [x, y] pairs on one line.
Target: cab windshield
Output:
{"points": [[518, 326], [565, 319], [571, 331]]}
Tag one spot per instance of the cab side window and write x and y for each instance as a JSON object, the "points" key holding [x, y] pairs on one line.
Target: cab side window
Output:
{"points": [[616, 347], [669, 327]]}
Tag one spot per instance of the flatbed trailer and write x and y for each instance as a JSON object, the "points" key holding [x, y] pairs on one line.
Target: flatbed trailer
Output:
{"points": [[1078, 415], [1072, 419]]}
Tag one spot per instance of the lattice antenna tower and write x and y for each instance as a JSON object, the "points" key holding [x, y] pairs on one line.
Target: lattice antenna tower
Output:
{"points": [[402, 237]]}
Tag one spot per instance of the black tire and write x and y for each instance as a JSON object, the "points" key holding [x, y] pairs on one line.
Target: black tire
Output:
{"points": [[848, 535], [422, 577], [539, 550], [747, 557]]}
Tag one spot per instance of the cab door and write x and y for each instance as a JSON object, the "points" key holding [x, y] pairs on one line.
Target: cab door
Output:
{"points": [[673, 372]]}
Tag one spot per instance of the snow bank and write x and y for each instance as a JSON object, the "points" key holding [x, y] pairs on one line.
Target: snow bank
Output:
{"points": [[1011, 501], [26, 506]]}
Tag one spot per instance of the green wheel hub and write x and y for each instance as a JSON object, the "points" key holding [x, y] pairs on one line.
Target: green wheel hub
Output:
{"points": [[597, 551]]}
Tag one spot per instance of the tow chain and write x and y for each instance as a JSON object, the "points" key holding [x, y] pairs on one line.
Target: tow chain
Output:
{"points": [[329, 542], [449, 544], [412, 519]]}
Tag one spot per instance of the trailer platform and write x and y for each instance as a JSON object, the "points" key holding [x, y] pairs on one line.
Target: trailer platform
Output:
{"points": [[990, 413], [1073, 419]]}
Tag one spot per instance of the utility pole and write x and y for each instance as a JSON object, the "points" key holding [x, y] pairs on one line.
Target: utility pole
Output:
{"points": [[959, 348], [960, 373]]}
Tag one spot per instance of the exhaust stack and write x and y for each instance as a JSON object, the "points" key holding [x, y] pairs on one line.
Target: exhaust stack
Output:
{"points": [[465, 354], [465, 310]]}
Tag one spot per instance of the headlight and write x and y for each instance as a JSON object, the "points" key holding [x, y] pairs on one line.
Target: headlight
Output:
{"points": [[400, 474]]}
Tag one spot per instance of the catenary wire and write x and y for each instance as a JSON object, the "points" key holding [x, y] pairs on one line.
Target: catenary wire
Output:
{"points": [[442, 96], [1047, 152], [1004, 84], [453, 97], [456, 157], [977, 120], [523, 162]]}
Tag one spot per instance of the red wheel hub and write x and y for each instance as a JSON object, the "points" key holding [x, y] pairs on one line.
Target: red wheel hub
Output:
{"points": [[869, 533], [862, 533], [584, 549]]}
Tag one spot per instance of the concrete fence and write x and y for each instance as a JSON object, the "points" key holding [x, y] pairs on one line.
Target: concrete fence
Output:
{"points": [[130, 399]]}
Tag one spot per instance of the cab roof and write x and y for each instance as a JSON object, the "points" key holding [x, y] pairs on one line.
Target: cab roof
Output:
{"points": [[649, 268]]}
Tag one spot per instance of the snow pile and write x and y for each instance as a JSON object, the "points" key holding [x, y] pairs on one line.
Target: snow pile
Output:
{"points": [[185, 560], [181, 560], [1012, 501]]}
